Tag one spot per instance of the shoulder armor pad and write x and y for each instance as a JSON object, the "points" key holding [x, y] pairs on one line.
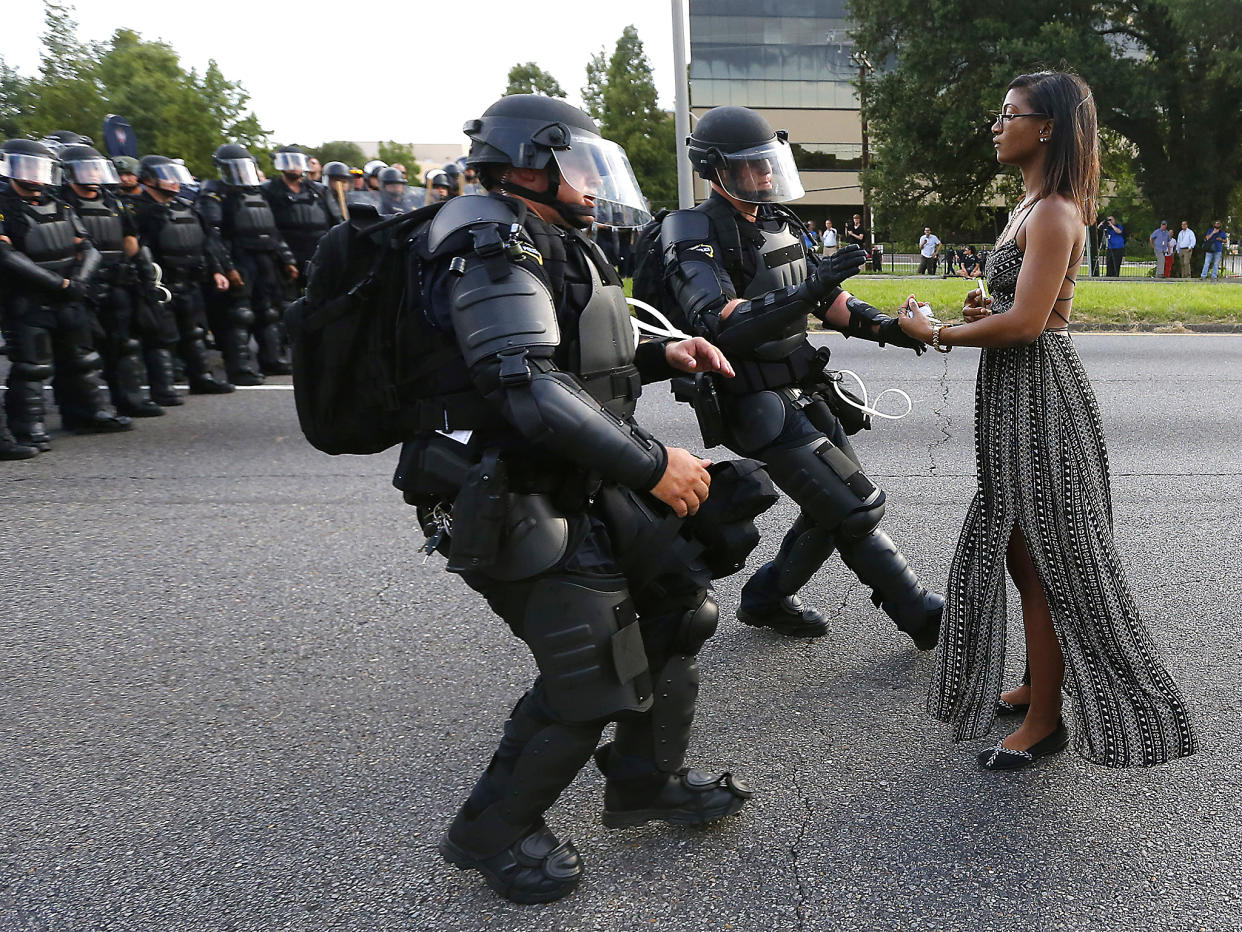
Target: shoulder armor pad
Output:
{"points": [[683, 226], [465, 211]]}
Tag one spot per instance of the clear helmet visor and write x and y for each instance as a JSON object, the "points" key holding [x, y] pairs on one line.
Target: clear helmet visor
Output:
{"points": [[33, 169], [169, 173], [764, 174], [91, 171], [241, 172], [290, 162], [599, 169]]}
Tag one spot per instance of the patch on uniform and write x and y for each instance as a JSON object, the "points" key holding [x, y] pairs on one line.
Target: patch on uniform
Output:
{"points": [[529, 252], [705, 248]]}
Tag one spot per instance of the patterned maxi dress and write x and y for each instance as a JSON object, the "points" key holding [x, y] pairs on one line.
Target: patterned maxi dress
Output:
{"points": [[1041, 462]]}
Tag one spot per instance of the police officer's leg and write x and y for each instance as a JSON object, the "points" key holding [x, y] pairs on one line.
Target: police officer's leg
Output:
{"points": [[30, 358], [81, 392], [647, 779], [157, 326], [769, 598], [268, 309], [122, 353], [579, 628], [10, 449], [231, 320], [188, 309]]}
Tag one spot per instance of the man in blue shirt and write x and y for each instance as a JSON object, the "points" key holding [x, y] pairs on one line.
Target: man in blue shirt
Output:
{"points": [[1116, 235], [1160, 245], [1213, 245]]}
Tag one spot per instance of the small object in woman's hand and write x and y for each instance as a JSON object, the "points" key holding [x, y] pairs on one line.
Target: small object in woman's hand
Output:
{"points": [[983, 289]]}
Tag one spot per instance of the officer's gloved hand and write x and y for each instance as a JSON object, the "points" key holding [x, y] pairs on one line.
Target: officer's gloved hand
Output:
{"points": [[829, 274], [73, 291], [889, 331]]}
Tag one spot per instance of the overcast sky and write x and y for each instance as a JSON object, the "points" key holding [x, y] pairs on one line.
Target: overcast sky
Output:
{"points": [[380, 69]]}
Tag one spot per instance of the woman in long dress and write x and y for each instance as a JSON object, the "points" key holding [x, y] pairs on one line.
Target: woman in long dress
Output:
{"points": [[1043, 507]]}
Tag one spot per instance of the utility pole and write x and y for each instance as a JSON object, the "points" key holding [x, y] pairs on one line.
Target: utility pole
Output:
{"points": [[865, 67], [681, 106]]}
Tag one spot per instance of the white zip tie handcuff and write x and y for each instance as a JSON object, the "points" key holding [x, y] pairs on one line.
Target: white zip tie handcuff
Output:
{"points": [[669, 330]]}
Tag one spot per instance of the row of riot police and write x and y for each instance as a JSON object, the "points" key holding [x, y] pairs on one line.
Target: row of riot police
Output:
{"points": [[116, 273]]}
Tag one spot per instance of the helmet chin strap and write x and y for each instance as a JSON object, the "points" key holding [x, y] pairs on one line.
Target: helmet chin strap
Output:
{"points": [[578, 216]]}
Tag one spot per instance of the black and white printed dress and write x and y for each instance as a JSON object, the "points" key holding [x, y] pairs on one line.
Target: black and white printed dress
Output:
{"points": [[1041, 462]]}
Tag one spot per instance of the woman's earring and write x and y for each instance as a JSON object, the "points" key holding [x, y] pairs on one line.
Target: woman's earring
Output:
{"points": [[1043, 138]]}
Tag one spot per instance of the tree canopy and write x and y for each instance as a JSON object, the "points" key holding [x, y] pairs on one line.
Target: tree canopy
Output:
{"points": [[173, 112], [529, 78], [1162, 71], [620, 94]]}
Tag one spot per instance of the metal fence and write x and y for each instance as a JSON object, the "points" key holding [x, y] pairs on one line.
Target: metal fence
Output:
{"points": [[902, 263]]}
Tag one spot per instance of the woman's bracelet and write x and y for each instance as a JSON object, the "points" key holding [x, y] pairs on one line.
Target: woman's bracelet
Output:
{"points": [[935, 342]]}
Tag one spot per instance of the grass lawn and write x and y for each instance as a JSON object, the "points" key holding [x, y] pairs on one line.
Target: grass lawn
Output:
{"points": [[1151, 304]]}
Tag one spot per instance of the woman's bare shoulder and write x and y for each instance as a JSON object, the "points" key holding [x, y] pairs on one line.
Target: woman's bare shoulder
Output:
{"points": [[1058, 210]]}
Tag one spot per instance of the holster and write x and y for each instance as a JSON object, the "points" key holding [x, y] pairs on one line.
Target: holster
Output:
{"points": [[700, 391], [479, 516], [825, 382]]}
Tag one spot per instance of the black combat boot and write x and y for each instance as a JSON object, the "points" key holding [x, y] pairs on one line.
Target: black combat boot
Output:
{"points": [[764, 607], [162, 378], [128, 392], [537, 868], [10, 449], [686, 797]]}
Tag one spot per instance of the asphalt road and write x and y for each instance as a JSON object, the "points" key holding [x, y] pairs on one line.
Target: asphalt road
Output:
{"points": [[235, 698]]}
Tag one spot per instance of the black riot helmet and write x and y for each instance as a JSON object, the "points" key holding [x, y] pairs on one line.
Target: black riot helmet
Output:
{"points": [[291, 159], [738, 149], [337, 170], [237, 166], [57, 139], [84, 166], [29, 163], [537, 132], [391, 175], [159, 171]]}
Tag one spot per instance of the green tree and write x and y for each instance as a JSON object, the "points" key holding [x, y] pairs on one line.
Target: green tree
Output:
{"points": [[529, 78], [1160, 71], [621, 95], [398, 153], [17, 102], [68, 90], [338, 150]]}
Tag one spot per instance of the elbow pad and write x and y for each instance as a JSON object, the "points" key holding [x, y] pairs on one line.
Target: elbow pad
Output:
{"points": [[21, 265], [88, 263], [871, 324], [765, 318]]}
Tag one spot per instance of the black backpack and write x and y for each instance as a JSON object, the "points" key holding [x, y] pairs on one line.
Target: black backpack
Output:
{"points": [[358, 343]]}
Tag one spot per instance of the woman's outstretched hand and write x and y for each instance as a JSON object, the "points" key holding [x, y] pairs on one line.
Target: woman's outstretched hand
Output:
{"points": [[976, 306]]}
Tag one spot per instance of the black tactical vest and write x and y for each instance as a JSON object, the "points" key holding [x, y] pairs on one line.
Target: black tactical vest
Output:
{"points": [[298, 214], [181, 239], [102, 219], [50, 235], [248, 219]]}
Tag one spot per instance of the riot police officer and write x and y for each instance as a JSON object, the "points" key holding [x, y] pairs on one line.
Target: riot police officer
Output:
{"points": [[127, 174], [234, 208], [739, 274], [537, 357], [300, 206], [340, 182], [394, 194], [137, 330], [438, 187], [47, 260], [188, 259]]}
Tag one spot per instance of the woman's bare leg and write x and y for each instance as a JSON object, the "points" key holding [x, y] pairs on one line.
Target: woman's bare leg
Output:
{"points": [[1047, 664]]}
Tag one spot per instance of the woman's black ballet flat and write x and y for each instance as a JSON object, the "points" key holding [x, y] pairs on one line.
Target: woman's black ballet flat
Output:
{"points": [[1003, 758], [1011, 708]]}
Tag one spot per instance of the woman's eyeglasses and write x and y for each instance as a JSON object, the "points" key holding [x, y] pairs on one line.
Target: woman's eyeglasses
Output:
{"points": [[1004, 118]]}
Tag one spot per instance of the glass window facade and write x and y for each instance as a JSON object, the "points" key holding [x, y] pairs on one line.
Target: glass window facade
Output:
{"points": [[755, 53]]}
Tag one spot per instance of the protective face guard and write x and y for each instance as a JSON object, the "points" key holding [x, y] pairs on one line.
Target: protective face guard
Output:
{"points": [[290, 162], [240, 172], [33, 169], [168, 173], [91, 172], [764, 174], [600, 169]]}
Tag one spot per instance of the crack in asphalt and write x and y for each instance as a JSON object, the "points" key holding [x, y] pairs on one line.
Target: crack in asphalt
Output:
{"points": [[944, 422], [796, 851]]}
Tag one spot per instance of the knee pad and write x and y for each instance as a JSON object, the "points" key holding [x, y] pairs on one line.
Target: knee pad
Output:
{"points": [[31, 345], [88, 362], [130, 346], [830, 487], [697, 625], [755, 421], [31, 371], [240, 315], [194, 334]]}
